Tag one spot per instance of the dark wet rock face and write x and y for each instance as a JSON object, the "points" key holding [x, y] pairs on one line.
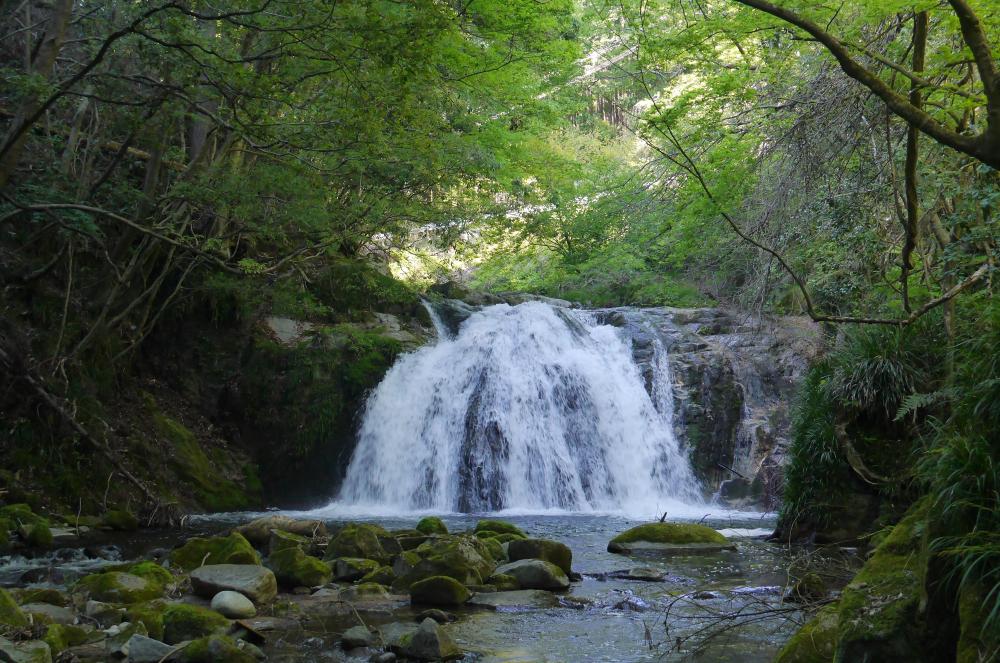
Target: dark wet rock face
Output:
{"points": [[734, 378]]}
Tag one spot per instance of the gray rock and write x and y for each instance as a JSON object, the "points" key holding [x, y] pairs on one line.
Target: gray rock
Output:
{"points": [[259, 531], [643, 573], [142, 649], [385, 657], [233, 605], [31, 651], [255, 582], [535, 574], [440, 616], [358, 636], [53, 613], [105, 615], [523, 599], [430, 642]]}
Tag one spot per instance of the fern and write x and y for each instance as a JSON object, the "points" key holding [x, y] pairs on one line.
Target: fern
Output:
{"points": [[914, 402]]}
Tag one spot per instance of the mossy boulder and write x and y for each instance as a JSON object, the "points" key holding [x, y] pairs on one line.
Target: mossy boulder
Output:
{"points": [[120, 520], [669, 538], [976, 642], [359, 540], [536, 574], [6, 528], [550, 551], [41, 595], [404, 562], [189, 622], [150, 615], [815, 642], [365, 591], [879, 608], [36, 535], [198, 551], [153, 572], [252, 581], [28, 651], [432, 525], [215, 649], [439, 590], [258, 531], [293, 568], [506, 537], [60, 637], [430, 642], [349, 569], [495, 549], [118, 587], [503, 582], [10, 613], [280, 540], [499, 527], [463, 558], [807, 589], [383, 575]]}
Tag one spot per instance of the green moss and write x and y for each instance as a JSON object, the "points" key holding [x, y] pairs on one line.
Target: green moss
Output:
{"points": [[439, 590], [149, 615], [358, 540], [153, 572], [383, 575], [189, 622], [294, 568], [815, 642], [498, 526], [213, 491], [215, 649], [120, 520], [232, 549], [119, 587], [60, 637], [550, 551], [37, 535], [503, 582], [679, 533], [977, 642], [365, 590], [6, 527], [10, 613], [506, 537], [41, 595], [280, 540], [495, 548], [432, 525], [348, 569]]}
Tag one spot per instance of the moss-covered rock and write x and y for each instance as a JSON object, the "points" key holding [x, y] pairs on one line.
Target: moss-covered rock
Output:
{"points": [[118, 587], [383, 575], [550, 551], [10, 613], [365, 590], [438, 590], [190, 622], [215, 649], [120, 520], [432, 525], [669, 537], [60, 637], [232, 549], [807, 589], [6, 529], [37, 535], [359, 540], [506, 537], [976, 642], [463, 558], [258, 531], [280, 540], [498, 526], [503, 582], [536, 574], [495, 549], [153, 572], [879, 608], [150, 615], [26, 651], [293, 568], [41, 595], [815, 642], [349, 569]]}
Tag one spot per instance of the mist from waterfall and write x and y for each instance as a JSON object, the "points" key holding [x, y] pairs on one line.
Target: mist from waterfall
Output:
{"points": [[529, 408]]}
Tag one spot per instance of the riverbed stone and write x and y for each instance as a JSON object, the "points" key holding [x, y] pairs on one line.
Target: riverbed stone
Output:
{"points": [[349, 569], [430, 642], [60, 637], [432, 525], [438, 590], [258, 531], [536, 574], [293, 568], [358, 636], [359, 540], [366, 591], [282, 540], [669, 538], [438, 615], [255, 582], [198, 551], [404, 562], [118, 587], [518, 599], [143, 649], [216, 648], [499, 527], [503, 582], [188, 622], [10, 613], [102, 613], [383, 575], [45, 613], [550, 551], [41, 595], [31, 651], [233, 605]]}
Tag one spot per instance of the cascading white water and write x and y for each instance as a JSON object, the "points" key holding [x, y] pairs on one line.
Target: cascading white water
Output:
{"points": [[527, 408]]}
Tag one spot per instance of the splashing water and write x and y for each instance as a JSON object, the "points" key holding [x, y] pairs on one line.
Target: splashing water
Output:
{"points": [[528, 408]]}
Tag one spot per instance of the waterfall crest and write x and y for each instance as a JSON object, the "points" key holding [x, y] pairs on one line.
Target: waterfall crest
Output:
{"points": [[527, 408]]}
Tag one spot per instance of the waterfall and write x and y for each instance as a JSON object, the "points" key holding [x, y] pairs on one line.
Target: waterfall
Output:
{"points": [[527, 408]]}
